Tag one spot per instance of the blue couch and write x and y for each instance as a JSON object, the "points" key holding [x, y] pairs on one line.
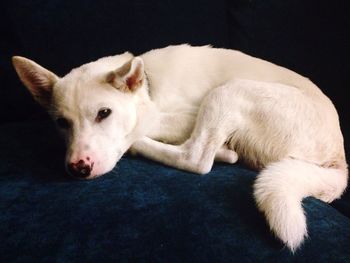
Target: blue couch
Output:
{"points": [[143, 211]]}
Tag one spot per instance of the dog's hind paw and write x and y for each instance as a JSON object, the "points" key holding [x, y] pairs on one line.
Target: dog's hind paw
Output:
{"points": [[328, 196], [226, 155]]}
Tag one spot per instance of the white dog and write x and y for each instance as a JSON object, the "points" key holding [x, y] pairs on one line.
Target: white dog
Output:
{"points": [[188, 106]]}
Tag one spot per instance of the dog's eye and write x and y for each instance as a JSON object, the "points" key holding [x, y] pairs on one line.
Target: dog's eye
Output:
{"points": [[103, 114], [63, 123]]}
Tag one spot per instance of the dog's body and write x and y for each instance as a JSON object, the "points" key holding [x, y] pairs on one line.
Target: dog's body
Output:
{"points": [[186, 106]]}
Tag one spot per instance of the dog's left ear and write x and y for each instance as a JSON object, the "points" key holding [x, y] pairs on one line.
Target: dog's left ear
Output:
{"points": [[129, 77]]}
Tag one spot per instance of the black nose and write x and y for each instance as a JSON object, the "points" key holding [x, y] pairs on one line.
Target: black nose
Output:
{"points": [[80, 169]]}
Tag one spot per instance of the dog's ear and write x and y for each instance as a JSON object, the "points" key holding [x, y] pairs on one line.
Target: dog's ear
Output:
{"points": [[37, 79], [129, 77]]}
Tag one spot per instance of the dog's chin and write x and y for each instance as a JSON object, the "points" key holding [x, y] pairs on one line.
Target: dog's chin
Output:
{"points": [[99, 169], [93, 175]]}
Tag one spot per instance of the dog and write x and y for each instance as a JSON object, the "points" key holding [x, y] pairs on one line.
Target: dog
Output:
{"points": [[187, 107]]}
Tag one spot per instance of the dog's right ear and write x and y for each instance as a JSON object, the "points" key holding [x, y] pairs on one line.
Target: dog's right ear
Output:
{"points": [[37, 79]]}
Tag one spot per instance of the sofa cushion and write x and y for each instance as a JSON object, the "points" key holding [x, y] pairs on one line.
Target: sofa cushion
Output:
{"points": [[141, 211]]}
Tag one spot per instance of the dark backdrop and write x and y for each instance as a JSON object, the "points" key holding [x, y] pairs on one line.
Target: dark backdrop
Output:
{"points": [[310, 37]]}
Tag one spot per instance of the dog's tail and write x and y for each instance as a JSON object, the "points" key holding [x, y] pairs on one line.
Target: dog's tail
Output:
{"points": [[280, 188]]}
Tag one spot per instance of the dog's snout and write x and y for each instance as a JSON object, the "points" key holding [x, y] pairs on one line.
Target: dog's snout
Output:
{"points": [[80, 169]]}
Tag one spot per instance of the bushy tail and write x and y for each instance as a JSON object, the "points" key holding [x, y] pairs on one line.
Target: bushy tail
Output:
{"points": [[280, 188]]}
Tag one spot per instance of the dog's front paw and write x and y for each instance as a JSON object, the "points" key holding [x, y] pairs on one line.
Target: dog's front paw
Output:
{"points": [[328, 195], [226, 155]]}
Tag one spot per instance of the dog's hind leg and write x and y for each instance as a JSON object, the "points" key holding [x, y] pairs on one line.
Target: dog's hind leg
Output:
{"points": [[206, 143]]}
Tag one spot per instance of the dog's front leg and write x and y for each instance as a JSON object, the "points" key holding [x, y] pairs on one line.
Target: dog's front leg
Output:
{"points": [[194, 156]]}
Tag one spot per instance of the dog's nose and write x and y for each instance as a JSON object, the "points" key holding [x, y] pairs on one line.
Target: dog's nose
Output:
{"points": [[80, 169]]}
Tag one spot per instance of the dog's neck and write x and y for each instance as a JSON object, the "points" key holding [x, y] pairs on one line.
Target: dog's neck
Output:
{"points": [[147, 112], [147, 117], [143, 95]]}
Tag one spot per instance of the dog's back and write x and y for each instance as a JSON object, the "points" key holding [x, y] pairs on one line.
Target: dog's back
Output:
{"points": [[185, 68]]}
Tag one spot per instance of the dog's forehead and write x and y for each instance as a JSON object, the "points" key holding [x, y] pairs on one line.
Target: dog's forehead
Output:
{"points": [[101, 65], [92, 73], [75, 88], [86, 85]]}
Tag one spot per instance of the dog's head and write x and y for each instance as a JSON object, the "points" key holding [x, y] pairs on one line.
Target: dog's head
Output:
{"points": [[95, 106]]}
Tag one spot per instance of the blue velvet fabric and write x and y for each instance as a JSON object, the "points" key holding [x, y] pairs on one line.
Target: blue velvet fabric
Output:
{"points": [[141, 211]]}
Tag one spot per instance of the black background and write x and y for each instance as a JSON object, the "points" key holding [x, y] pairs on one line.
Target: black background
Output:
{"points": [[309, 37]]}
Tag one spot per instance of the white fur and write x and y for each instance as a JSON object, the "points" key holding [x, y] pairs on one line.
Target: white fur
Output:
{"points": [[280, 188], [188, 106]]}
